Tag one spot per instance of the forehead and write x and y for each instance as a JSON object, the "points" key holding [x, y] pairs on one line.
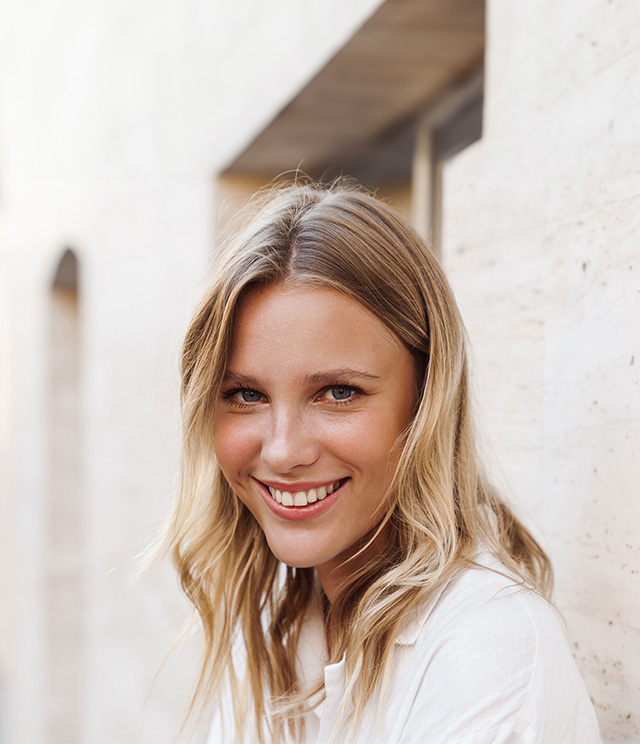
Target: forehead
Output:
{"points": [[289, 325]]}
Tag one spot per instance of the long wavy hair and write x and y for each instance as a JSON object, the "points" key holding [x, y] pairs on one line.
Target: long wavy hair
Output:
{"points": [[441, 507]]}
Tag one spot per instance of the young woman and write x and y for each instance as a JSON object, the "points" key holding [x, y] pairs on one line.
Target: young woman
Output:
{"points": [[356, 576]]}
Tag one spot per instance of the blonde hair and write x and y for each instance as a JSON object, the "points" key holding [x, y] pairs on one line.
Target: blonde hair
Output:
{"points": [[441, 506]]}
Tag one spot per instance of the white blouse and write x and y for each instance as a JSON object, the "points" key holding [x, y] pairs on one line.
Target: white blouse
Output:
{"points": [[485, 663]]}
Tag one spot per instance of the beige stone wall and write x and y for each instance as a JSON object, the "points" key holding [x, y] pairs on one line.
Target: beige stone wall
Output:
{"points": [[116, 118], [542, 242]]}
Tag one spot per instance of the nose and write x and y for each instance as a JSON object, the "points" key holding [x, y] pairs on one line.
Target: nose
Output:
{"points": [[289, 444]]}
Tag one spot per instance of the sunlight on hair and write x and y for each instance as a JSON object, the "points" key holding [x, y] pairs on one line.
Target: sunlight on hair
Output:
{"points": [[440, 508]]}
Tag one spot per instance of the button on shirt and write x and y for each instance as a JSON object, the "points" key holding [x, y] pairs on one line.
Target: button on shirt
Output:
{"points": [[486, 662]]}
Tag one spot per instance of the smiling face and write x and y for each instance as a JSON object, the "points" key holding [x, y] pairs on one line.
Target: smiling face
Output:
{"points": [[316, 393]]}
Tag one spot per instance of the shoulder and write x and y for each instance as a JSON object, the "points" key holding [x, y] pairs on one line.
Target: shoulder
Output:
{"points": [[486, 605], [483, 630], [492, 656]]}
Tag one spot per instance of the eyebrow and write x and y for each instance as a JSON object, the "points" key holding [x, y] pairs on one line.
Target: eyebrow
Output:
{"points": [[330, 375], [247, 380]]}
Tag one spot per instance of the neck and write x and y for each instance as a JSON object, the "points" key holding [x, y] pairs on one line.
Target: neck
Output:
{"points": [[335, 572]]}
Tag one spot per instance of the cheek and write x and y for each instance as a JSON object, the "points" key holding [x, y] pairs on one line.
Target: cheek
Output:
{"points": [[367, 439], [234, 442]]}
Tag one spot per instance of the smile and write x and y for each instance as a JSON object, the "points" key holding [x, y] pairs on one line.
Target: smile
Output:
{"points": [[303, 498]]}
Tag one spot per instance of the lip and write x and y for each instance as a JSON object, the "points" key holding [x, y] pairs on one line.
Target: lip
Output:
{"points": [[297, 513]]}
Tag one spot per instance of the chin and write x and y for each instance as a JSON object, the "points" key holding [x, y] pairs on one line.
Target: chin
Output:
{"points": [[294, 554], [295, 559]]}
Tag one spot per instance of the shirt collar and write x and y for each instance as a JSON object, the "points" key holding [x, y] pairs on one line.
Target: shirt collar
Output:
{"points": [[312, 651], [412, 625], [414, 622]]}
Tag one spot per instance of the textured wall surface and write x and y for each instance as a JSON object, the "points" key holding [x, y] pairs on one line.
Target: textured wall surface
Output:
{"points": [[116, 115], [542, 242]]}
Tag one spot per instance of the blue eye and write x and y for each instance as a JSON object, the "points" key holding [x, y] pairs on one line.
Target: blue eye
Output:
{"points": [[341, 392], [241, 395], [250, 396]]}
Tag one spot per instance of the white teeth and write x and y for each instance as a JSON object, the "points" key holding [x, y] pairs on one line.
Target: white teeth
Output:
{"points": [[302, 498]]}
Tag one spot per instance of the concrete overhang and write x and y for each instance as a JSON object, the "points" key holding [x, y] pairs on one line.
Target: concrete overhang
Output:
{"points": [[400, 62]]}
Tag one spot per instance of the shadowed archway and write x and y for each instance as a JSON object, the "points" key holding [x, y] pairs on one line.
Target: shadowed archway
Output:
{"points": [[64, 530]]}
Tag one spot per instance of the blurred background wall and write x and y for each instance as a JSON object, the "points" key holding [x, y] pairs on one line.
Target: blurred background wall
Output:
{"points": [[130, 132]]}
